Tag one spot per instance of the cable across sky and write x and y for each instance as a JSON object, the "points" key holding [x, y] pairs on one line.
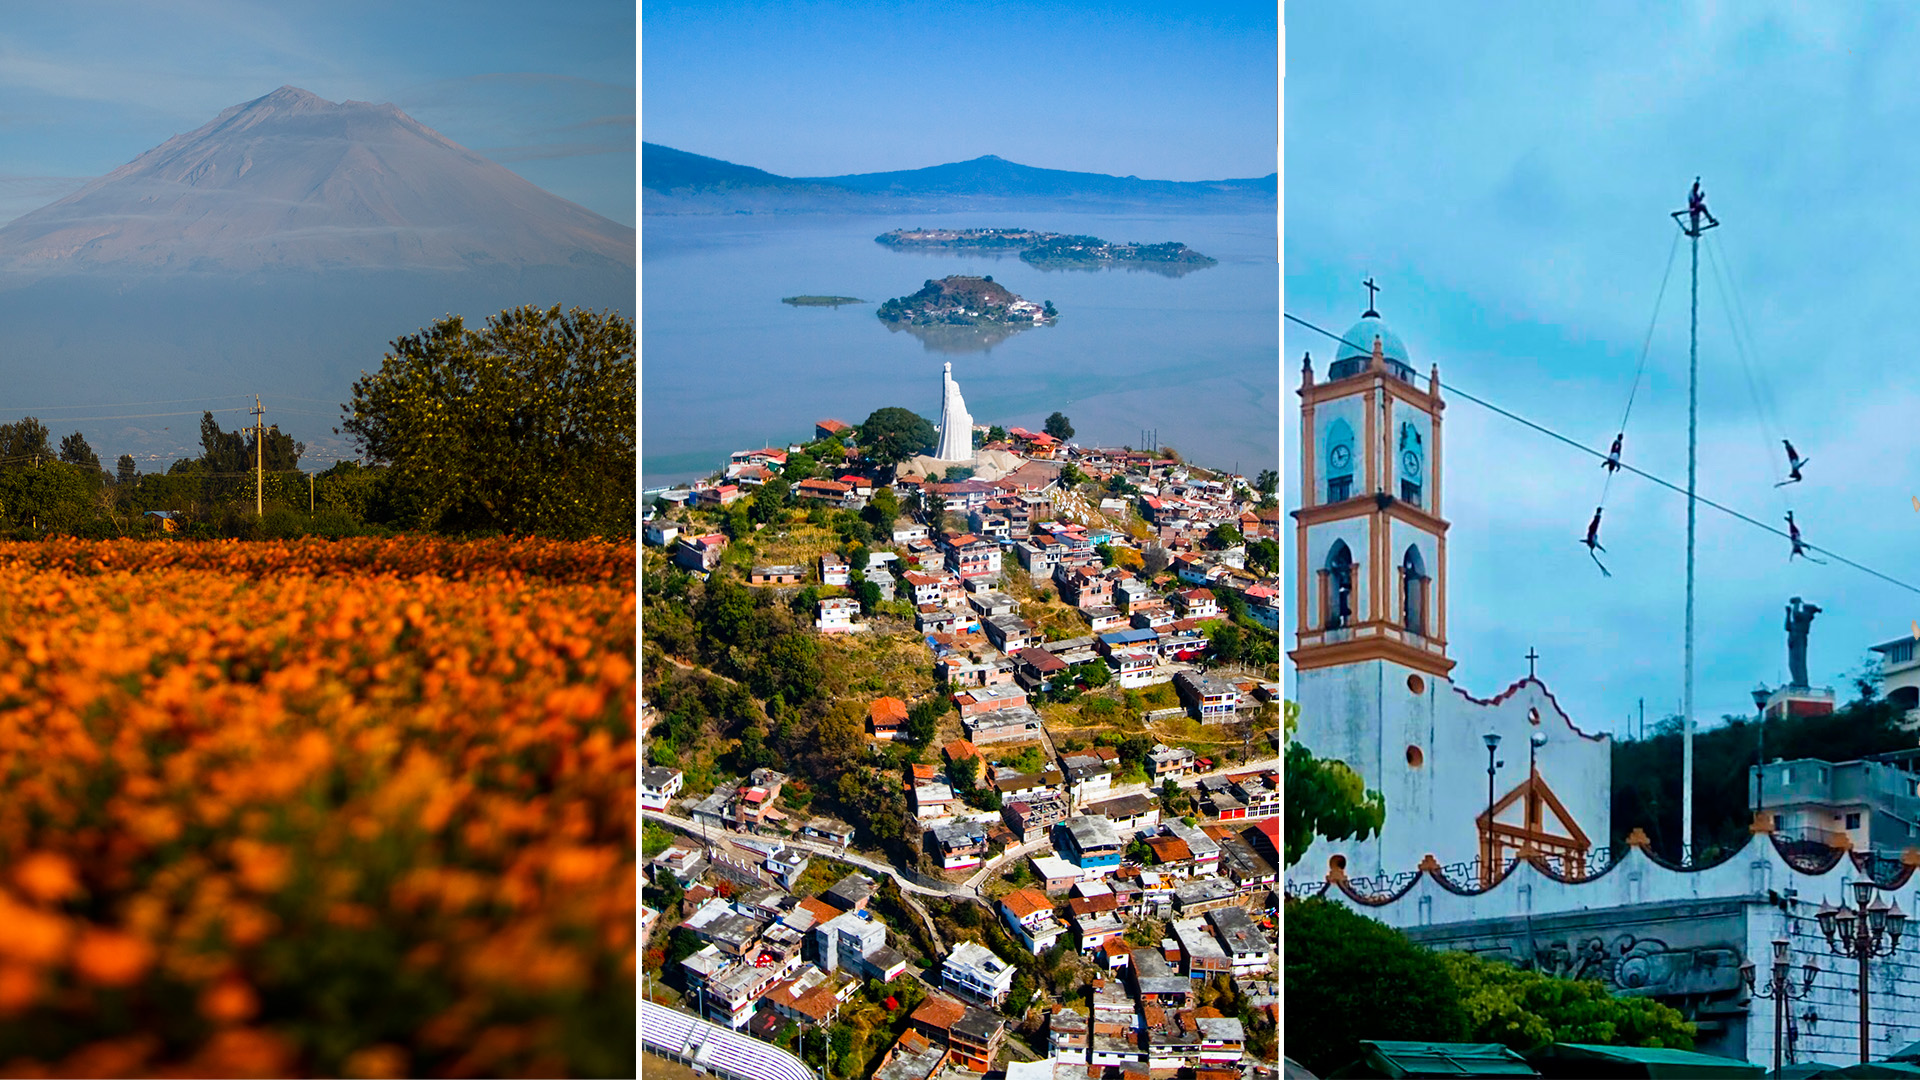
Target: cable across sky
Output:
{"points": [[1552, 434]]}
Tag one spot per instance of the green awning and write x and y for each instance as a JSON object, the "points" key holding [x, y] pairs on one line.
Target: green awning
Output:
{"points": [[1429, 1059], [1587, 1060]]}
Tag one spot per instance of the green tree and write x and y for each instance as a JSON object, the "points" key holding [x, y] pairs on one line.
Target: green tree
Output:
{"points": [[75, 451], [1267, 482], [892, 435], [1263, 555], [1226, 642], [1226, 536], [1059, 426], [1169, 795], [923, 720], [996, 433], [772, 498], [1324, 798], [1071, 477], [800, 467], [882, 510], [1350, 978], [22, 442], [1095, 673], [964, 774], [126, 471], [525, 426], [1524, 1009]]}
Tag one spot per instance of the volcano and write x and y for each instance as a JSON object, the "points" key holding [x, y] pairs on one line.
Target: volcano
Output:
{"points": [[291, 181]]}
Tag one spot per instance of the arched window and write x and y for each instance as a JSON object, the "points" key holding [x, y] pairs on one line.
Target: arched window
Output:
{"points": [[1339, 462], [1336, 587], [1413, 592]]}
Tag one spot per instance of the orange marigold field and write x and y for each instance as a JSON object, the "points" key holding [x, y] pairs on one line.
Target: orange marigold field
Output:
{"points": [[359, 808]]}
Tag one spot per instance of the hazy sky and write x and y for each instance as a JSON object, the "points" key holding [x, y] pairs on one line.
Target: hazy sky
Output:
{"points": [[547, 91], [1506, 174], [1151, 89]]}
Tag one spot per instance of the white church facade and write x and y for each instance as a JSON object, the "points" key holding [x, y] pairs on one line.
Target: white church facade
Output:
{"points": [[1538, 884], [1372, 673]]}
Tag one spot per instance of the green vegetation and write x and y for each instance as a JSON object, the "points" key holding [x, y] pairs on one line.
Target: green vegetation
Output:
{"points": [[1061, 428], [1047, 250], [1324, 799], [892, 435], [958, 300], [1350, 978], [1075, 251], [525, 426], [820, 301], [1646, 784]]}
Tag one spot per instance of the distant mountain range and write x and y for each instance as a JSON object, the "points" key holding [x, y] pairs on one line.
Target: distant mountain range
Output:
{"points": [[276, 250], [676, 182], [291, 181]]}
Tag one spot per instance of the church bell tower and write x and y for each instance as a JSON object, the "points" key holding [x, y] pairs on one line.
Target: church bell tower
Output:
{"points": [[1370, 579]]}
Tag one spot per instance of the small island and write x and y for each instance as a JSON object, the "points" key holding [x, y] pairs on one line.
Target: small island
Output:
{"points": [[1076, 251], [1051, 251], [820, 301], [965, 301]]}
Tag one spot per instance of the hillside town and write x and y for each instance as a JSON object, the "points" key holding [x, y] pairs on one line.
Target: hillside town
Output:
{"points": [[1034, 827]]}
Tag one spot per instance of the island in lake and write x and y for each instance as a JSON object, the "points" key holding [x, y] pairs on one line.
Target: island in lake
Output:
{"points": [[820, 301], [966, 301], [1052, 251]]}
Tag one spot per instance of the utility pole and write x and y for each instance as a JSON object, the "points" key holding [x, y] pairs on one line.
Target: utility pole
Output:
{"points": [[309, 493], [1690, 222], [259, 458]]}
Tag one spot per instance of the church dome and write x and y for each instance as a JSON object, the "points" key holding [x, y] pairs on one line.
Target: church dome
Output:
{"points": [[1362, 336]]}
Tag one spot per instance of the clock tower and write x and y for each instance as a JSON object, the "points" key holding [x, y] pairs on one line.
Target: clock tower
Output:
{"points": [[1369, 539], [1371, 670]]}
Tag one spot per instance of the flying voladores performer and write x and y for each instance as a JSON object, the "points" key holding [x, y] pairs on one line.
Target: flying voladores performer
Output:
{"points": [[1593, 541]]}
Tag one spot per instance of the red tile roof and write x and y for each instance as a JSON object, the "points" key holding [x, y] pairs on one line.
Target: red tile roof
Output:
{"points": [[939, 1011], [1025, 902], [888, 711]]}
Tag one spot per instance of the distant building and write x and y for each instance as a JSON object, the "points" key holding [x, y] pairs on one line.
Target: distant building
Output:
{"points": [[1209, 698], [887, 718], [776, 575], [659, 786], [699, 552], [1029, 915], [973, 970], [837, 615], [1090, 843], [1874, 802]]}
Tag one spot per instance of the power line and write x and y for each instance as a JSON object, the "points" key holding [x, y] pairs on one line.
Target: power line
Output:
{"points": [[1552, 434], [135, 404]]}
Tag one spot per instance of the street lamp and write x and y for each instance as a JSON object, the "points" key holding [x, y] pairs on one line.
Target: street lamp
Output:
{"points": [[1492, 740], [1760, 696], [1863, 932], [1781, 989]]}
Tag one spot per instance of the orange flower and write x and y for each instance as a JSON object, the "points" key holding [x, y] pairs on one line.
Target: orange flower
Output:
{"points": [[229, 1001], [47, 877], [111, 958], [382, 1062], [19, 988]]}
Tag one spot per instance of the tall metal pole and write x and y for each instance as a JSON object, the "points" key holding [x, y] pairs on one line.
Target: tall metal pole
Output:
{"points": [[1690, 224], [1693, 462]]}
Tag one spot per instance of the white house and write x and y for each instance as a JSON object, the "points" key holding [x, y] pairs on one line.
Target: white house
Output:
{"points": [[837, 615], [976, 972], [659, 786]]}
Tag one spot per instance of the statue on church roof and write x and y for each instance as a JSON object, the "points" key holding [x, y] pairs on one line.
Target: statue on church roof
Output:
{"points": [[1799, 621]]}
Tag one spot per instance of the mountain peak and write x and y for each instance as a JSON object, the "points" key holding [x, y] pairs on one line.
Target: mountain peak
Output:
{"points": [[296, 181]]}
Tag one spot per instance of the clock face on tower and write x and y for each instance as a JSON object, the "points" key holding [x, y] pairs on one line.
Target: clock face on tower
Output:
{"points": [[1340, 456], [1410, 465]]}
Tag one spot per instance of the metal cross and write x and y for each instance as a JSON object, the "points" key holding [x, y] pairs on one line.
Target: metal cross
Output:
{"points": [[1531, 657], [1371, 289]]}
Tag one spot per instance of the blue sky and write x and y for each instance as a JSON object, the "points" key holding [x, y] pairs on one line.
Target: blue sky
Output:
{"points": [[547, 92], [1157, 90], [1505, 173]]}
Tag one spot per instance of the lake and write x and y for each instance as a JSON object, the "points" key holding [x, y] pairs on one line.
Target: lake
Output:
{"points": [[725, 366]]}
